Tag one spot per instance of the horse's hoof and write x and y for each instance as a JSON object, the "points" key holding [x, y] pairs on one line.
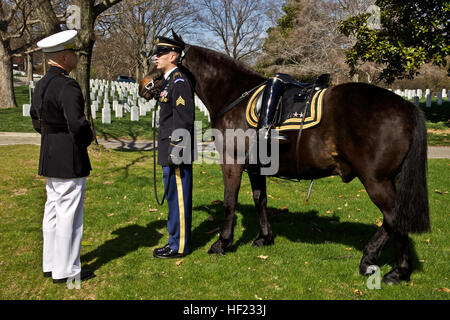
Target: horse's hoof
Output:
{"points": [[368, 270], [258, 243], [217, 248], [263, 242], [395, 276], [365, 266]]}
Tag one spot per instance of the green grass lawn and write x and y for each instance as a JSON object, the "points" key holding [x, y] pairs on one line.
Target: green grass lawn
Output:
{"points": [[11, 120], [316, 253]]}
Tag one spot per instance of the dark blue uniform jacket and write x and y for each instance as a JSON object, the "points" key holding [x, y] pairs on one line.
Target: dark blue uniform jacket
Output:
{"points": [[65, 132], [177, 111]]}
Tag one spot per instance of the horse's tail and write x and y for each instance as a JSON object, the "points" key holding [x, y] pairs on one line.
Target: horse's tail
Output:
{"points": [[411, 203]]}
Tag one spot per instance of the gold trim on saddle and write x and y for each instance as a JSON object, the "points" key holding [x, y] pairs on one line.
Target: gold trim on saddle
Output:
{"points": [[291, 123]]}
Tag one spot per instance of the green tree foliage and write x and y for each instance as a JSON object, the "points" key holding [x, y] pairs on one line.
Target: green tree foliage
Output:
{"points": [[408, 35], [286, 22]]}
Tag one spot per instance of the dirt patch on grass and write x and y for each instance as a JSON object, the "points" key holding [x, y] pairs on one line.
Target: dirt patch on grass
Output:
{"points": [[435, 131]]}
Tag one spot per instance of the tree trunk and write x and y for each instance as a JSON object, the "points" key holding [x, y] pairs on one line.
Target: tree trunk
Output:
{"points": [[138, 74], [87, 39], [29, 62], [48, 20], [82, 76], [7, 97]]}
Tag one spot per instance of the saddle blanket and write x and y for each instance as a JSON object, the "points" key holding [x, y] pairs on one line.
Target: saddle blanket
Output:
{"points": [[289, 115]]}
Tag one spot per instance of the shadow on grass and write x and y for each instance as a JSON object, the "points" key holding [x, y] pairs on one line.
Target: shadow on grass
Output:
{"points": [[128, 239], [125, 129], [298, 227], [437, 113]]}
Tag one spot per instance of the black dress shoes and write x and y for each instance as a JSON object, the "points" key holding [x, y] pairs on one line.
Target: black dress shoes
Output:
{"points": [[84, 275], [47, 274], [167, 253], [158, 250]]}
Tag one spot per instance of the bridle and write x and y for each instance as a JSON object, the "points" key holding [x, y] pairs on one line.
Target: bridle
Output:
{"points": [[150, 86]]}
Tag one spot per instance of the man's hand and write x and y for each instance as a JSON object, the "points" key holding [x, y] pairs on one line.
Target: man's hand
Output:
{"points": [[174, 155], [170, 160]]}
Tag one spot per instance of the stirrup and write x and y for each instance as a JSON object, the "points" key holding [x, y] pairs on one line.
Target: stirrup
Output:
{"points": [[267, 136], [280, 137]]}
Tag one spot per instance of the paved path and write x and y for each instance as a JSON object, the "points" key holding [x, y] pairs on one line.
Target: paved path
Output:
{"points": [[8, 138]]}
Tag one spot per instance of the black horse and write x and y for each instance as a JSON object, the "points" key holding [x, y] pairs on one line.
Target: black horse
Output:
{"points": [[366, 132]]}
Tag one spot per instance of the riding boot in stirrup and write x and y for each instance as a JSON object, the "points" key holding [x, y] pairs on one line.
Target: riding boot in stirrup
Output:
{"points": [[271, 97]]}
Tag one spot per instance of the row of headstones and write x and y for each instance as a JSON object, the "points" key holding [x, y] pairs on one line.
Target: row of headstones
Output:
{"points": [[135, 111], [417, 94], [102, 90]]}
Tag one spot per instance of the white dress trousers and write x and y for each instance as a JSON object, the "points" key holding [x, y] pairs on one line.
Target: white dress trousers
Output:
{"points": [[62, 226]]}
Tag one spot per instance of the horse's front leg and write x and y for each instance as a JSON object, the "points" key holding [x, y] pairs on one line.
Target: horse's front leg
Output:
{"points": [[258, 183], [232, 175]]}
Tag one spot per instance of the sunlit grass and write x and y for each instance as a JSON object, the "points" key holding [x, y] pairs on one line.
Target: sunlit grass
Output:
{"points": [[316, 253]]}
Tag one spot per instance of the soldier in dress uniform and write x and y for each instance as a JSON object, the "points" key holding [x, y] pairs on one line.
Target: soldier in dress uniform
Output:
{"points": [[57, 113], [175, 146]]}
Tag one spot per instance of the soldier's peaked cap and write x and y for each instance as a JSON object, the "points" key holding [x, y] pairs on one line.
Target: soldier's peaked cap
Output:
{"points": [[64, 40], [166, 45]]}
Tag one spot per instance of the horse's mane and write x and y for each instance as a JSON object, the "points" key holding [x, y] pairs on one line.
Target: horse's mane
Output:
{"points": [[221, 60]]}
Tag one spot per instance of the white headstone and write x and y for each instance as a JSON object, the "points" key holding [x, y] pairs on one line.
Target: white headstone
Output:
{"points": [[119, 111], [134, 113], [419, 93], [406, 94], [156, 120], [93, 111], [106, 115], [26, 110], [444, 93], [142, 110]]}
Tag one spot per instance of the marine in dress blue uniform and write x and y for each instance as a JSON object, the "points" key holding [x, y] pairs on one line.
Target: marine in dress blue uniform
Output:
{"points": [[176, 148], [57, 113]]}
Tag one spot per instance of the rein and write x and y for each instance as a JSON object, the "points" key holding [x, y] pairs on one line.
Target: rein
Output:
{"points": [[235, 102], [154, 161]]}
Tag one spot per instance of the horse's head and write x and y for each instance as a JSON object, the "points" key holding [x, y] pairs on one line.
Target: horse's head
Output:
{"points": [[150, 86]]}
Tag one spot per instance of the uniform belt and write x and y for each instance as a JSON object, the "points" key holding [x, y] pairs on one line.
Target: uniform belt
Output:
{"points": [[45, 128]]}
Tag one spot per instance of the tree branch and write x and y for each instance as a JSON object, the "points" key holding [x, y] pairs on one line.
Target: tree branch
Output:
{"points": [[103, 6]]}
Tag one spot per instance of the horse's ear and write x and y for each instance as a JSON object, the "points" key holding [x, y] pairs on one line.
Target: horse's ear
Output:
{"points": [[176, 37]]}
